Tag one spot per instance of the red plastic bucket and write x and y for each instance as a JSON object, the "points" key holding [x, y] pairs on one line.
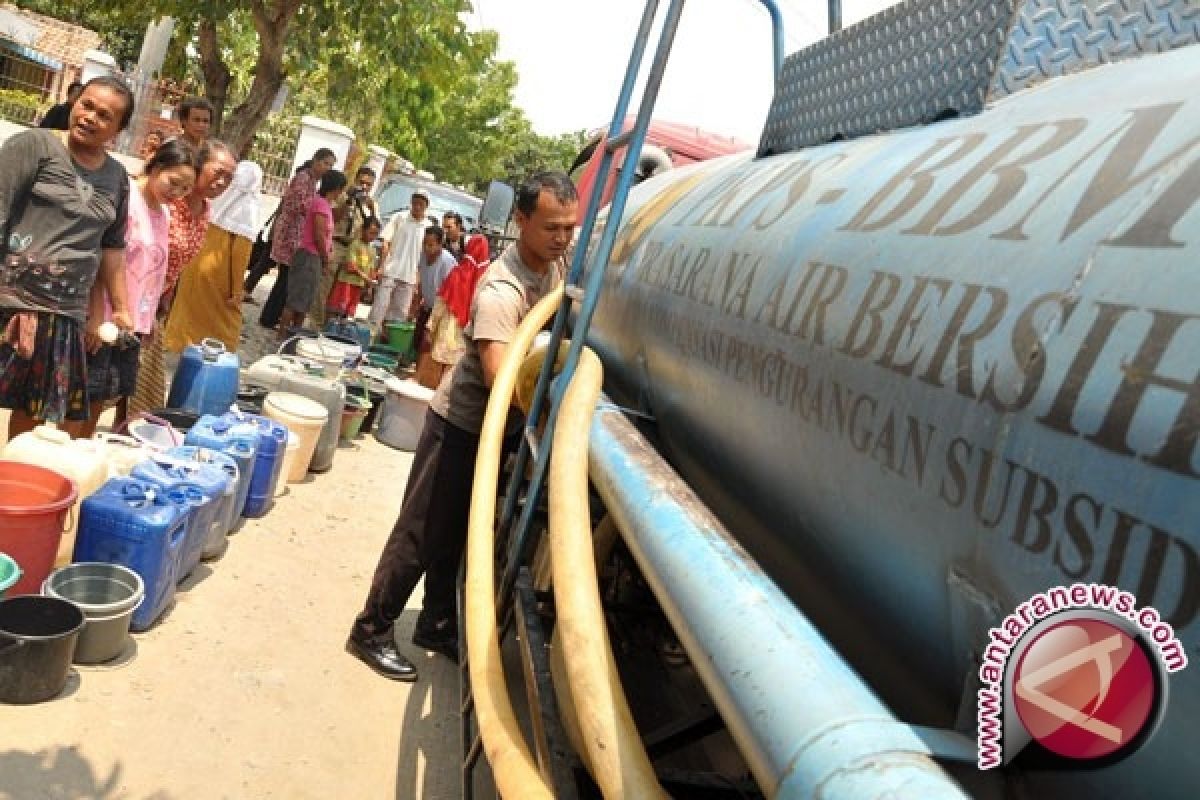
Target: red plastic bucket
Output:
{"points": [[33, 508]]}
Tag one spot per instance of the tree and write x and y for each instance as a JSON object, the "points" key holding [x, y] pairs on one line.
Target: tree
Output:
{"points": [[475, 133], [407, 75], [393, 57], [534, 152]]}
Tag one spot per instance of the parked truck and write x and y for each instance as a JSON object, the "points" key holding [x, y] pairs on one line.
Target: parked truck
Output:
{"points": [[924, 357]]}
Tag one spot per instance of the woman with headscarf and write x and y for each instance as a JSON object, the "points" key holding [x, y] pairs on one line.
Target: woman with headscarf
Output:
{"points": [[452, 311], [208, 302]]}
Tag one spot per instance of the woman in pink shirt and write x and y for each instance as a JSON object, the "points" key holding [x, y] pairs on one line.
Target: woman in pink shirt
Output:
{"points": [[112, 368], [312, 253]]}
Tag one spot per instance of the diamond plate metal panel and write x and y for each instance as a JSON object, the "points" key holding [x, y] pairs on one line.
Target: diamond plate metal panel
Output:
{"points": [[1057, 37], [913, 63]]}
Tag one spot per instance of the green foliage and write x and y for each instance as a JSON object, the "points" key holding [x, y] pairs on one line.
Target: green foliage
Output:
{"points": [[17, 105], [536, 152], [406, 75]]}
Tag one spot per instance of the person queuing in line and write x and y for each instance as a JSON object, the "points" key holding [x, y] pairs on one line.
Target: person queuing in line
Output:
{"points": [[260, 259], [208, 300], [196, 118], [452, 224], [349, 216], [436, 263], [358, 269], [63, 207], [112, 368], [397, 288], [313, 253], [189, 224], [430, 533], [285, 232], [452, 310], [150, 144], [59, 115]]}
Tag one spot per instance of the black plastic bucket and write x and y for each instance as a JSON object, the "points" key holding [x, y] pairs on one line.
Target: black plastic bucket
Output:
{"points": [[250, 398], [37, 643], [180, 419]]}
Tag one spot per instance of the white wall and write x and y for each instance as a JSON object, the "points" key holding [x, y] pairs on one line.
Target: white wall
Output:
{"points": [[316, 133]]}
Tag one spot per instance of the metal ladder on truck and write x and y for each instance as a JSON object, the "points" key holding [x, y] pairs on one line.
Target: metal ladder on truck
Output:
{"points": [[516, 600]]}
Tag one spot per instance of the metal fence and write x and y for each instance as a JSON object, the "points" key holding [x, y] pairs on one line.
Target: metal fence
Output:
{"points": [[25, 88], [274, 150]]}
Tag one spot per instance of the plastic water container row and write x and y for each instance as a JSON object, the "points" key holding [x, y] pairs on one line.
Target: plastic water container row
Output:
{"points": [[158, 511]]}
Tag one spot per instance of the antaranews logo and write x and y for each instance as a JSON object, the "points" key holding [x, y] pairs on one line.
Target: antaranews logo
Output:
{"points": [[1079, 672]]}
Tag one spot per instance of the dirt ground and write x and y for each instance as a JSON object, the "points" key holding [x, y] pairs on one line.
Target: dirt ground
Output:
{"points": [[244, 689]]}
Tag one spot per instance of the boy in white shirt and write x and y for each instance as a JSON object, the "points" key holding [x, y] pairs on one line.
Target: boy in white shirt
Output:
{"points": [[402, 238]]}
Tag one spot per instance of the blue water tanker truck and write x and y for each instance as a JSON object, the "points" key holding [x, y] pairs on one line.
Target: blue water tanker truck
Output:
{"points": [[927, 353]]}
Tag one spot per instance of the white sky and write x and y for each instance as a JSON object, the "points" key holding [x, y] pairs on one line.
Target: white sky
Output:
{"points": [[571, 56]]}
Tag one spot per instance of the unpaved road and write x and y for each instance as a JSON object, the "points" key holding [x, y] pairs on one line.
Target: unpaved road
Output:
{"points": [[244, 690]]}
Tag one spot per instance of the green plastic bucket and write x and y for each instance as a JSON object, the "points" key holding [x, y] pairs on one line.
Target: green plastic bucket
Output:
{"points": [[353, 413], [10, 573], [400, 336], [383, 361]]}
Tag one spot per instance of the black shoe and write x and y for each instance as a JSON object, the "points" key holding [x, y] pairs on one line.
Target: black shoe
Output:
{"points": [[445, 644], [381, 654]]}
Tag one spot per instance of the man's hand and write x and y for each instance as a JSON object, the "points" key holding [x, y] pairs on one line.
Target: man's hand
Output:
{"points": [[233, 303], [123, 320]]}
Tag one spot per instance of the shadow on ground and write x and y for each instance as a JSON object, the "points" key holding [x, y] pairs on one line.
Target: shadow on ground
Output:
{"points": [[59, 774], [427, 767]]}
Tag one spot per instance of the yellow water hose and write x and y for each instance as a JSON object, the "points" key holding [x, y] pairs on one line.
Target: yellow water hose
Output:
{"points": [[614, 751], [605, 537], [513, 766], [612, 746]]}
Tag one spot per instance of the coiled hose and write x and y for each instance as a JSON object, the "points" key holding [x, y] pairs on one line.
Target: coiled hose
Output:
{"points": [[614, 753], [513, 767]]}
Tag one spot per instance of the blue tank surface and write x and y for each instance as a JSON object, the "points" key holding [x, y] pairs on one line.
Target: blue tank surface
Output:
{"points": [[925, 375], [206, 381]]}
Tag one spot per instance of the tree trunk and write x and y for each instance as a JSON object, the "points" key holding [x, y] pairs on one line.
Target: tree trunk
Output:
{"points": [[216, 72], [272, 26]]}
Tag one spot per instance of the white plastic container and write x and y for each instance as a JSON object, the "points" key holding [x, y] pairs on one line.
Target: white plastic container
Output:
{"points": [[326, 352], [268, 371], [122, 452], [331, 395], [305, 418], [154, 434], [289, 463], [83, 461], [400, 421]]}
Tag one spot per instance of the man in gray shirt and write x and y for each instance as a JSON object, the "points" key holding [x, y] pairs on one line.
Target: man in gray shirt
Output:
{"points": [[430, 533], [435, 264]]}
